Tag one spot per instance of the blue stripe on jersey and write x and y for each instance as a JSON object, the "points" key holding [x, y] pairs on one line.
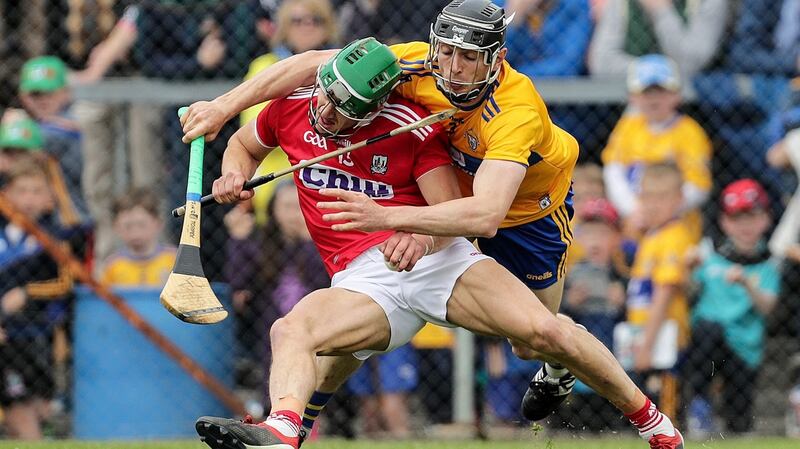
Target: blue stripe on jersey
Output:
{"points": [[406, 61], [489, 111], [408, 69], [485, 117], [491, 100]]}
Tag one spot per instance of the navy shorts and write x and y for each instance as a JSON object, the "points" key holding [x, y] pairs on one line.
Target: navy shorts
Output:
{"points": [[535, 252]]}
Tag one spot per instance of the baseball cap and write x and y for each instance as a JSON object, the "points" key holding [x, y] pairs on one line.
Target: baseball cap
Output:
{"points": [[599, 209], [43, 74], [744, 195], [21, 133], [653, 70]]}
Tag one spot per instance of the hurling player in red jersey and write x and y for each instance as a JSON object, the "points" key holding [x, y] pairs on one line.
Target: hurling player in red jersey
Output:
{"points": [[369, 308]]}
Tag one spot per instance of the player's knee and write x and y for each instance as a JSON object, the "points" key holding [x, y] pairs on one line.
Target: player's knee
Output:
{"points": [[287, 329], [555, 338]]}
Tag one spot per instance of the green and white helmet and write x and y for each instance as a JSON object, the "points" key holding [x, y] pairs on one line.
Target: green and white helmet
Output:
{"points": [[357, 80]]}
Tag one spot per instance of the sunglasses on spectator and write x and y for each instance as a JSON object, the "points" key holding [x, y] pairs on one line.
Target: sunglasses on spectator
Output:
{"points": [[307, 20]]}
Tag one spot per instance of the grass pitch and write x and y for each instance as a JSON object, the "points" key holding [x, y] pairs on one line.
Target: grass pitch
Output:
{"points": [[534, 443]]}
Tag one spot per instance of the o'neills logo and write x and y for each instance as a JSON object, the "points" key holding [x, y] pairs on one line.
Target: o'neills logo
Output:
{"points": [[321, 177], [540, 277]]}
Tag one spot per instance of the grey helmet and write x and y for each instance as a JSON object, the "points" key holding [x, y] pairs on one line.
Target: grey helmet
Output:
{"points": [[478, 25]]}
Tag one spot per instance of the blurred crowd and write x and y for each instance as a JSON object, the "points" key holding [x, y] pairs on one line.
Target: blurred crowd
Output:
{"points": [[690, 203]]}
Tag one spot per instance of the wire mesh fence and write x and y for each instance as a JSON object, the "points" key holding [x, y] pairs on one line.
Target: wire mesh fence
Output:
{"points": [[91, 151]]}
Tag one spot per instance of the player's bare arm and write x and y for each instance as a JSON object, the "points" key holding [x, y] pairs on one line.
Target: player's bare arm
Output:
{"points": [[240, 161], [276, 81], [403, 250], [494, 188]]}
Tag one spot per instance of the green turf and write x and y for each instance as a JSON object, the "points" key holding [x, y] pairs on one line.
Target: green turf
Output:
{"points": [[535, 443]]}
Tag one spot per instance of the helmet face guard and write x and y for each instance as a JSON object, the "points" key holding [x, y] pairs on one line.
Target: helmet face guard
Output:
{"points": [[356, 81], [471, 25]]}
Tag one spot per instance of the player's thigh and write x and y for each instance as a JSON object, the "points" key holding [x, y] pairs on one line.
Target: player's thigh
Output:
{"points": [[488, 299], [336, 320]]}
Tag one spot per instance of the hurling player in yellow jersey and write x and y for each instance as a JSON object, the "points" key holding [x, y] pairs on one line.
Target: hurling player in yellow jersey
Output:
{"points": [[516, 169]]}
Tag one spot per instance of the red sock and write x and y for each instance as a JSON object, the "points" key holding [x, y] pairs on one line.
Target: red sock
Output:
{"points": [[647, 418]]}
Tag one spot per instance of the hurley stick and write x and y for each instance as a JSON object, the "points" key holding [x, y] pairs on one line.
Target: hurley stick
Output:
{"points": [[187, 294]]}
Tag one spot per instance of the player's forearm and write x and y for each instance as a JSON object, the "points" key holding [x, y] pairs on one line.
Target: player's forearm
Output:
{"points": [[238, 160], [276, 81], [460, 217]]}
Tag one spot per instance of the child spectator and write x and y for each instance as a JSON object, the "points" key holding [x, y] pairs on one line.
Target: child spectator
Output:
{"points": [[21, 138], [594, 296], [655, 131], [142, 261], [34, 292], [44, 93], [658, 276], [738, 287]]}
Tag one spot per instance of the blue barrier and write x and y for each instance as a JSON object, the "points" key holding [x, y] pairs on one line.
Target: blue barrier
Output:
{"points": [[125, 387]]}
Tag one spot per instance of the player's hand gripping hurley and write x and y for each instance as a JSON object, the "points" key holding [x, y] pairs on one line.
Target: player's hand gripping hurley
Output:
{"points": [[255, 182], [187, 294]]}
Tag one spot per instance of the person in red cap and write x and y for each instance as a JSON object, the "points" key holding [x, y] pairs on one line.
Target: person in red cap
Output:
{"points": [[738, 286]]}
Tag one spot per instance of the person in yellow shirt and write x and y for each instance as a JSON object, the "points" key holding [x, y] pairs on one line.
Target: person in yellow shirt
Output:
{"points": [[515, 172], [652, 131], [142, 261], [656, 290]]}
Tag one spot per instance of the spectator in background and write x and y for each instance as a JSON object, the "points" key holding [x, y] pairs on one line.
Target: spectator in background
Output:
{"points": [[101, 51], [301, 25], [44, 93], [389, 21], [548, 38], [656, 290], [382, 385], [34, 291], [690, 32], [269, 269], [655, 131], [21, 138], [594, 296], [738, 286], [785, 153], [766, 38], [142, 261]]}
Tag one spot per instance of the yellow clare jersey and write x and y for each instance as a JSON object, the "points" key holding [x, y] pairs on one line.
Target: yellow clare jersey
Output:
{"points": [[660, 260], [634, 145], [512, 124], [125, 270]]}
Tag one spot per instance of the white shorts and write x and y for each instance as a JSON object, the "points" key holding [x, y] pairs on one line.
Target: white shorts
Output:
{"points": [[409, 298]]}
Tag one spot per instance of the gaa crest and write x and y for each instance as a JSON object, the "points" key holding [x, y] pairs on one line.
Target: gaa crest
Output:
{"points": [[380, 164]]}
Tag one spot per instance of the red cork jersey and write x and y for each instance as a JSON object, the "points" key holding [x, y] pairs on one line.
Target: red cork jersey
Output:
{"points": [[387, 171]]}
